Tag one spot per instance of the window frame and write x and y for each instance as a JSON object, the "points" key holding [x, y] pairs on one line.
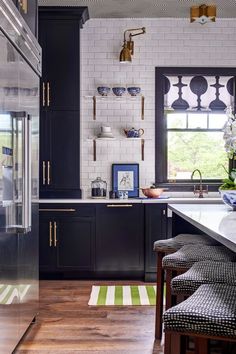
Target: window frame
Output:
{"points": [[161, 126]]}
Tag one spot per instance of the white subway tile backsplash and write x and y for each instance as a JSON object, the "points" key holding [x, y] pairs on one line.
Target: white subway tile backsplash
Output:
{"points": [[168, 42]]}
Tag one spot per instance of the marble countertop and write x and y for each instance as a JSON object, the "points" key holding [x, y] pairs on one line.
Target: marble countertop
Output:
{"points": [[218, 221], [172, 200]]}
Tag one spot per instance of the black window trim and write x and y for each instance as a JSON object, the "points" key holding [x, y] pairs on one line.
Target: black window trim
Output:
{"points": [[160, 124]]}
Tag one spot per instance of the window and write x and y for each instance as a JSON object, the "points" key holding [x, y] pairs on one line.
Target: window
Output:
{"points": [[190, 115]]}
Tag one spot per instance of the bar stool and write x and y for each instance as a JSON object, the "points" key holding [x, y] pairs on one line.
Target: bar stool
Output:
{"points": [[163, 247], [210, 313], [206, 272], [180, 261]]}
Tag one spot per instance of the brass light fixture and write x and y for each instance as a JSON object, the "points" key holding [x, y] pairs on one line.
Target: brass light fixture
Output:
{"points": [[203, 14], [128, 46]]}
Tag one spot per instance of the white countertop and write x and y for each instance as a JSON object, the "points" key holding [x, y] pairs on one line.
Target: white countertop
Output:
{"points": [[172, 200], [218, 221]]}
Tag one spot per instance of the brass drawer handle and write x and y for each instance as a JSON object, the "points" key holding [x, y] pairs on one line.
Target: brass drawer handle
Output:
{"points": [[119, 206], [50, 234], [55, 234], [49, 178], [66, 210], [44, 173], [48, 94]]}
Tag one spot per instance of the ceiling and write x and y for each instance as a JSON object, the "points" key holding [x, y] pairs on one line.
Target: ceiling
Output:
{"points": [[144, 8]]}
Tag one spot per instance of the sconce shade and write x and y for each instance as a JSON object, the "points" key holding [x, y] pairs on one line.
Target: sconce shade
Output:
{"points": [[203, 13], [125, 54]]}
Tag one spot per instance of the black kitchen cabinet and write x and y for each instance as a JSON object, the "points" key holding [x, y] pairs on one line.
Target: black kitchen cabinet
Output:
{"points": [[155, 229], [120, 239], [59, 151], [67, 239], [29, 11], [59, 37], [47, 255]]}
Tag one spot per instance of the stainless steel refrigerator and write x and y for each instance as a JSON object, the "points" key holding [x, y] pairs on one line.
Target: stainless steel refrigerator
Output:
{"points": [[20, 69]]}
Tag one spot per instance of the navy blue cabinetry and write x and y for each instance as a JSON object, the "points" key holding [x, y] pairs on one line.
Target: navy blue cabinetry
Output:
{"points": [[67, 240], [120, 240], [100, 241], [59, 36], [155, 229]]}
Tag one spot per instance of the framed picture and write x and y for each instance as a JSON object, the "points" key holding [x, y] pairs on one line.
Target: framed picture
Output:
{"points": [[125, 177]]}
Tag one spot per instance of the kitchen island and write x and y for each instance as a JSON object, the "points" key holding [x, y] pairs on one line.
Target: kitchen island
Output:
{"points": [[217, 221]]}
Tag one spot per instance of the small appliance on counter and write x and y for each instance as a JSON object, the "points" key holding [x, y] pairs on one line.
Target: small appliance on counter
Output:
{"points": [[98, 188]]}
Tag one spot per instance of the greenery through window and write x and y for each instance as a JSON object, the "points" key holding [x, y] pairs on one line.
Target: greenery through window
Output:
{"points": [[195, 140], [190, 111]]}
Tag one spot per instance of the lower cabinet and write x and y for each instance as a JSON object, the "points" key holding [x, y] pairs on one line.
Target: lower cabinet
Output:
{"points": [[66, 242], [103, 240], [120, 239], [155, 229]]}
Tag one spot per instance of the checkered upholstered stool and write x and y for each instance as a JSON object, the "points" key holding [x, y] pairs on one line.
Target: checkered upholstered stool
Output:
{"points": [[210, 313], [206, 272], [163, 247], [180, 261]]}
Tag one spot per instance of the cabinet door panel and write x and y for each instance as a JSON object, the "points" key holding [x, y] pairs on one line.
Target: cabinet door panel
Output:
{"points": [[75, 248], [119, 238], [62, 64], [47, 254], [155, 229], [64, 150]]}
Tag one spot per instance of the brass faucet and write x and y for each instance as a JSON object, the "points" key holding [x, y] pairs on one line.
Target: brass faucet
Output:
{"points": [[200, 191]]}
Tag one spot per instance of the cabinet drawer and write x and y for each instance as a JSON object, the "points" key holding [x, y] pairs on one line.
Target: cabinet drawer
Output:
{"points": [[64, 209]]}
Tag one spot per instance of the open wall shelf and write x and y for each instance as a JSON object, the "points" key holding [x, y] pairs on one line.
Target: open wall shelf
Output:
{"points": [[113, 98], [99, 140]]}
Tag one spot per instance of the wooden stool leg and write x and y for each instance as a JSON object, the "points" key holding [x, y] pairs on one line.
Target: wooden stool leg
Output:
{"points": [[201, 345], [159, 295], [168, 288], [172, 343]]}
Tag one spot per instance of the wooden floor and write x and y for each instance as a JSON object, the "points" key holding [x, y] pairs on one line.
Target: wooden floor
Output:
{"points": [[66, 324]]}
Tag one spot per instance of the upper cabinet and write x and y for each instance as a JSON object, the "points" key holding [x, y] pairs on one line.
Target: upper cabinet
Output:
{"points": [[29, 11], [59, 37], [61, 70]]}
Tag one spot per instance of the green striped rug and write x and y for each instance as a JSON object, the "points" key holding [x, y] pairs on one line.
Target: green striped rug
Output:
{"points": [[10, 293], [123, 295]]}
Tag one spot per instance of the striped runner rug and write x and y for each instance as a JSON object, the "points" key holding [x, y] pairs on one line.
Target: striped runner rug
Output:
{"points": [[123, 295]]}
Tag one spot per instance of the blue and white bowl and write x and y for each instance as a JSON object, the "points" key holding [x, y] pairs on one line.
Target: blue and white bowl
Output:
{"points": [[103, 90], [134, 91], [229, 197], [118, 91]]}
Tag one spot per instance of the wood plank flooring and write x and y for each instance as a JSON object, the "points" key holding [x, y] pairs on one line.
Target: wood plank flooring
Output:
{"points": [[67, 325]]}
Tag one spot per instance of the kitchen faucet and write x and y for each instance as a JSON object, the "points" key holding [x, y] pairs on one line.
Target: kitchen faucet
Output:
{"points": [[199, 191]]}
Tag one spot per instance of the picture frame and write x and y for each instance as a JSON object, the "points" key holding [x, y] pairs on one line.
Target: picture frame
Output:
{"points": [[125, 177]]}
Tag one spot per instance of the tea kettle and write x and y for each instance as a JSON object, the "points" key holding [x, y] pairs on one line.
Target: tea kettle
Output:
{"points": [[133, 133]]}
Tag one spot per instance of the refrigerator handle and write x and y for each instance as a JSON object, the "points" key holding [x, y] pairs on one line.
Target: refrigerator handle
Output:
{"points": [[26, 188]]}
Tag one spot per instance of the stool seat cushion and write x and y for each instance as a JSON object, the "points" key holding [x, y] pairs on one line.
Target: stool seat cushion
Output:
{"points": [[211, 311], [175, 243], [206, 272], [190, 254]]}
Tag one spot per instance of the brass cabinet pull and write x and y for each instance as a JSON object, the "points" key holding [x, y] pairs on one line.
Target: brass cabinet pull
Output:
{"points": [[119, 205], [67, 210], [44, 173], [50, 234], [55, 233], [49, 173], [44, 94], [48, 94]]}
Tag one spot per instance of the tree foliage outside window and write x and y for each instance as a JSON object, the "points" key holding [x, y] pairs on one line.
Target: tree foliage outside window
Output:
{"points": [[188, 149]]}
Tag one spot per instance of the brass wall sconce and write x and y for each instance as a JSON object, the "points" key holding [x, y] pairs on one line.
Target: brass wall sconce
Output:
{"points": [[203, 14], [128, 46]]}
